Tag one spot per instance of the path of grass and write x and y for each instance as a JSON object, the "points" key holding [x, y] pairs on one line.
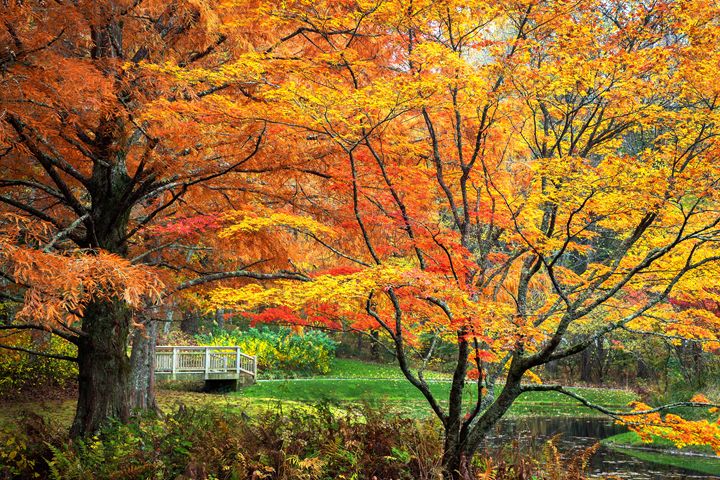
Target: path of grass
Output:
{"points": [[353, 368], [396, 394], [348, 382]]}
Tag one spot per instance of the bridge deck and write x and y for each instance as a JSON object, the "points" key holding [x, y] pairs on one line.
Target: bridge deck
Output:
{"points": [[203, 363]]}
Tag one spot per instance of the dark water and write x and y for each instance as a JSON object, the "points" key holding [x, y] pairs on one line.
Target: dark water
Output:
{"points": [[579, 433]]}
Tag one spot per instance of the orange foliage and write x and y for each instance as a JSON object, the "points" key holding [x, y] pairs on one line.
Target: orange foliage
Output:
{"points": [[500, 175]]}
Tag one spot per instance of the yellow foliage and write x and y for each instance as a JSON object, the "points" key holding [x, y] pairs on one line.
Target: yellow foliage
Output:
{"points": [[248, 222]]}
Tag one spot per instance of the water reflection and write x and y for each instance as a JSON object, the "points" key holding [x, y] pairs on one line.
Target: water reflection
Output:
{"points": [[578, 433]]}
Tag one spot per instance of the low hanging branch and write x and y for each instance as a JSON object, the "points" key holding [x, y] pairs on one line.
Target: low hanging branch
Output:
{"points": [[30, 326], [614, 413], [40, 354]]}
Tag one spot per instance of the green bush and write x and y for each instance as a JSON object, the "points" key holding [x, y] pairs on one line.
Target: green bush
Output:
{"points": [[280, 352], [22, 371], [26, 444]]}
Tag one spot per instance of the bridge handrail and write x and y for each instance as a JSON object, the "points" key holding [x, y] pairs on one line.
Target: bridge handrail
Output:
{"points": [[212, 359]]}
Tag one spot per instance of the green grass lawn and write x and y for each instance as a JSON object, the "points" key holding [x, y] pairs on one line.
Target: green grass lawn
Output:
{"points": [[352, 368], [354, 381], [402, 395]]}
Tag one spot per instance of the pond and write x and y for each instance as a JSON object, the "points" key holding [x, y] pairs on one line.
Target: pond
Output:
{"points": [[579, 433]]}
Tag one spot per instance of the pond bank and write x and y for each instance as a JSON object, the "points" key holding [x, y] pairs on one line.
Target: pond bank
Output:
{"points": [[573, 434], [701, 459]]}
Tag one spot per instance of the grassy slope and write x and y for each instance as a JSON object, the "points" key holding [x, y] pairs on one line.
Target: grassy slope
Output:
{"points": [[632, 439], [356, 381], [361, 382], [351, 368]]}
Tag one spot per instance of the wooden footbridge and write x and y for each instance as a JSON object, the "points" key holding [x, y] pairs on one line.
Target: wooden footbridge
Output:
{"points": [[214, 365]]}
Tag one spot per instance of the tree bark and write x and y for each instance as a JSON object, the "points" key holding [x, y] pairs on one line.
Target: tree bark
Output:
{"points": [[220, 318], [586, 366], [471, 438], [454, 461], [104, 367], [374, 349], [455, 434], [142, 361]]}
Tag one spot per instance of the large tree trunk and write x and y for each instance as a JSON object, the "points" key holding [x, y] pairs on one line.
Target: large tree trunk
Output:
{"points": [[142, 361], [455, 462], [461, 445], [104, 367]]}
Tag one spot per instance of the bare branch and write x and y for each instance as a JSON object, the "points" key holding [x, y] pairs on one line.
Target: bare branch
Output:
{"points": [[64, 233], [614, 413], [40, 354], [214, 277]]}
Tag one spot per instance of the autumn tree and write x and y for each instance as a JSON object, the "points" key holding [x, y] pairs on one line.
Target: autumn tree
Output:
{"points": [[520, 178], [127, 129]]}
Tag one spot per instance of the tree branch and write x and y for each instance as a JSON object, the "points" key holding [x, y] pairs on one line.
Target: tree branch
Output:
{"points": [[613, 413], [214, 277], [41, 354]]}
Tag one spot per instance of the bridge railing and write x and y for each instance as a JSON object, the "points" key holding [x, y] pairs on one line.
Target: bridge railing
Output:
{"points": [[206, 359]]}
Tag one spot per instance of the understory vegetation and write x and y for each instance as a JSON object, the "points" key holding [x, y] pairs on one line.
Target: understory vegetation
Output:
{"points": [[312, 442], [280, 352], [24, 374], [357, 420]]}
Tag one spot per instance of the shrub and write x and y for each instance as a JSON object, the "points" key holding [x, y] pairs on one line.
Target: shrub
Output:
{"points": [[26, 445], [302, 443], [281, 351], [23, 371], [311, 442], [513, 463]]}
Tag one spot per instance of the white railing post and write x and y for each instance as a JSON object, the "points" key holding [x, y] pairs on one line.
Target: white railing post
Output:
{"points": [[202, 361], [237, 361], [207, 362]]}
